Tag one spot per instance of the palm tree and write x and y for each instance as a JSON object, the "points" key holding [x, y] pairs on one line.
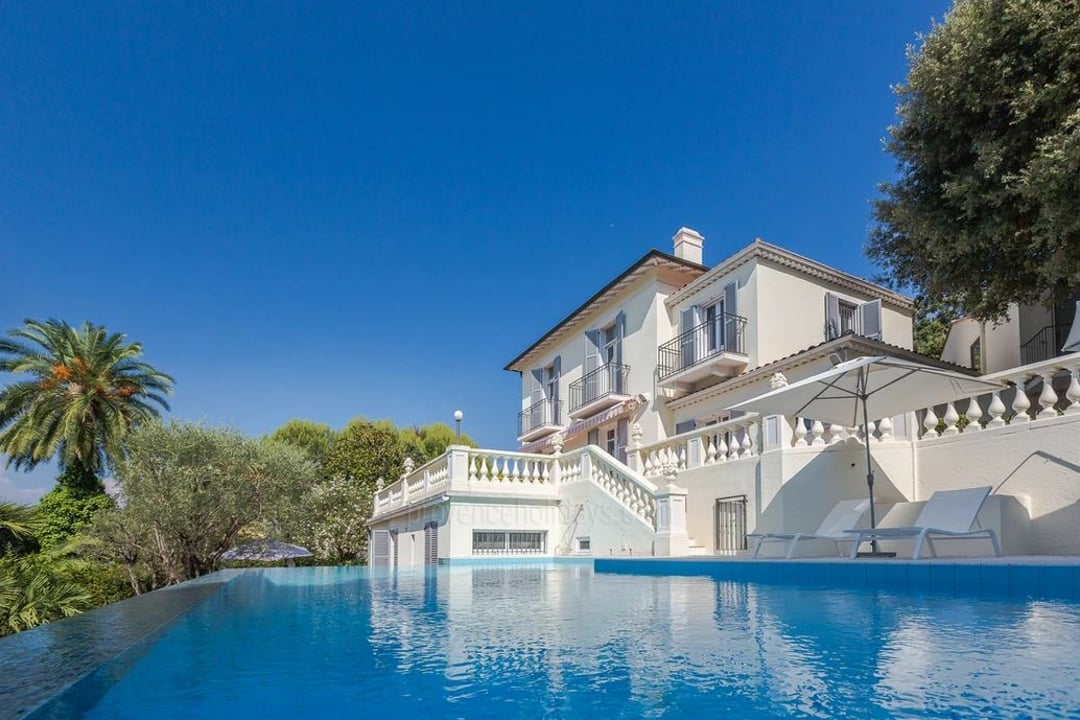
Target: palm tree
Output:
{"points": [[86, 391], [17, 522]]}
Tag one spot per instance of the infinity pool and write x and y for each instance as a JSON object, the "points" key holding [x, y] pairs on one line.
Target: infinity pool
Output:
{"points": [[560, 641]]}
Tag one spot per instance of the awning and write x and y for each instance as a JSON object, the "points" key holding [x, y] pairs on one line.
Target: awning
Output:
{"points": [[580, 426]]}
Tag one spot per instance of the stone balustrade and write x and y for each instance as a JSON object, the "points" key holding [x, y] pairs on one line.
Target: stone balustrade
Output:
{"points": [[723, 442], [1040, 391], [807, 432], [516, 473]]}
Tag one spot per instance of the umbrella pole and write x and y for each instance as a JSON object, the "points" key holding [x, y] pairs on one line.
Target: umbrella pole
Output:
{"points": [[869, 469]]}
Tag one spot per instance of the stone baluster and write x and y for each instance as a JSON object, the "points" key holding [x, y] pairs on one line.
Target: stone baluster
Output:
{"points": [[817, 433], [747, 441], [1048, 397], [710, 449], [973, 413], [1073, 393], [930, 423], [884, 427], [721, 447], [1020, 404], [800, 432], [951, 418], [996, 410]]}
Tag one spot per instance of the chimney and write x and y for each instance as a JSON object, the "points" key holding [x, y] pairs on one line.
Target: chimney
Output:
{"points": [[688, 245]]}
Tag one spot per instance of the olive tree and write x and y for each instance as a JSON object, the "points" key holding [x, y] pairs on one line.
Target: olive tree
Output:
{"points": [[188, 491]]}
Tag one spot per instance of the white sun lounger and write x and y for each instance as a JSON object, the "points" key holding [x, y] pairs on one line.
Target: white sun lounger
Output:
{"points": [[842, 518], [947, 514]]}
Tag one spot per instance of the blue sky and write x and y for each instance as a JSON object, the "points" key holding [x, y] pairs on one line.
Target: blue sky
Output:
{"points": [[324, 210]]}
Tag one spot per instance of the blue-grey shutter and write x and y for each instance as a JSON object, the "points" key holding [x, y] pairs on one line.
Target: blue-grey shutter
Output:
{"points": [[615, 378], [556, 406], [620, 333], [684, 426], [870, 319], [832, 316], [731, 340], [593, 437], [592, 362], [691, 318], [538, 385]]}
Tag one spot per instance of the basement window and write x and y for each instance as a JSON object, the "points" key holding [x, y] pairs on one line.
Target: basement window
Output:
{"points": [[508, 542]]}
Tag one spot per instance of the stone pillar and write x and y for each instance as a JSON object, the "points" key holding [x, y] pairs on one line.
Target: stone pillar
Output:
{"points": [[633, 453], [458, 466], [555, 474], [671, 537]]}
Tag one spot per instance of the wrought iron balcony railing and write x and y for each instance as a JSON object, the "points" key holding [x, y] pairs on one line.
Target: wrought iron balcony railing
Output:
{"points": [[1043, 345], [610, 379], [537, 415], [724, 334]]}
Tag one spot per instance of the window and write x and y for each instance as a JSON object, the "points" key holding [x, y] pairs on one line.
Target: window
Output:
{"points": [[848, 316], [849, 311], [508, 542], [551, 383], [609, 351], [976, 355], [714, 326], [584, 544]]}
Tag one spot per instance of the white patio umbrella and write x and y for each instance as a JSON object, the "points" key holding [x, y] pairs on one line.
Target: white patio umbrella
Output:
{"points": [[856, 391], [265, 551]]}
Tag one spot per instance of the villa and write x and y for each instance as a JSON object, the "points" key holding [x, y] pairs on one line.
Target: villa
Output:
{"points": [[628, 446]]}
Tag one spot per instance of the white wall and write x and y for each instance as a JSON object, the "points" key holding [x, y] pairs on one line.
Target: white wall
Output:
{"points": [[962, 334], [790, 313], [646, 319], [793, 489], [588, 511], [1038, 463]]}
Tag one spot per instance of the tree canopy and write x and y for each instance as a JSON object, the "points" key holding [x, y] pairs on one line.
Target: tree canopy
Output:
{"points": [[986, 207], [86, 390], [188, 491]]}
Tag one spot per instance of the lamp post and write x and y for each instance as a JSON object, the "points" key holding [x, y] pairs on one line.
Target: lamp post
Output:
{"points": [[458, 415]]}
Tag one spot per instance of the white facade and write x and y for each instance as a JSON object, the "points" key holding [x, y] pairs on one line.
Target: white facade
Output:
{"points": [[654, 464]]}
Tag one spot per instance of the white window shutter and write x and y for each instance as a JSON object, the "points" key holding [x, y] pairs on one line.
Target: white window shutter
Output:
{"points": [[832, 316], [870, 319]]}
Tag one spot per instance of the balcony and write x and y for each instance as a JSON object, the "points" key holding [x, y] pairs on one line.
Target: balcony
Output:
{"points": [[598, 390], [539, 420], [716, 347], [1044, 345]]}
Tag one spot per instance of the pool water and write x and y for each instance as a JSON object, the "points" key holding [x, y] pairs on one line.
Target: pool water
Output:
{"points": [[560, 641]]}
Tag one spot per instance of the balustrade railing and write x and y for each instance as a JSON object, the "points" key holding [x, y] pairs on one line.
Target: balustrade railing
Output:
{"points": [[511, 468], [807, 432], [723, 442], [469, 469], [1038, 391]]}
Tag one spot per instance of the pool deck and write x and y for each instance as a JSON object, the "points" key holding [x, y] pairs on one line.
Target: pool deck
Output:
{"points": [[1024, 576]]}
